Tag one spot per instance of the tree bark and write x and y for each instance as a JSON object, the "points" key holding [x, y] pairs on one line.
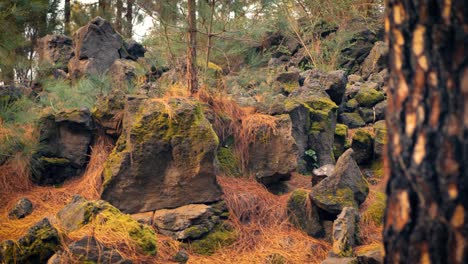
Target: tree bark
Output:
{"points": [[118, 16], [67, 14], [426, 219], [192, 78], [129, 18]]}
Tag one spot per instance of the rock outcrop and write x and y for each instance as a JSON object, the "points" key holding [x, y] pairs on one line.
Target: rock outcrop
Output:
{"points": [[346, 187], [96, 46], [65, 140], [168, 146], [273, 156], [363, 146]]}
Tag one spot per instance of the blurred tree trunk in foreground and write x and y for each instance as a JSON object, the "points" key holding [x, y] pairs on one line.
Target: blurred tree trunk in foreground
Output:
{"points": [[426, 219]]}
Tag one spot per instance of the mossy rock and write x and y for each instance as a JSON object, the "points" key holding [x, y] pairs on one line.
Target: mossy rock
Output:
{"points": [[380, 139], [352, 120], [375, 212], [222, 235], [37, 246], [368, 97], [340, 142], [363, 146], [351, 105], [105, 217], [169, 145], [303, 213], [367, 114], [346, 187]]}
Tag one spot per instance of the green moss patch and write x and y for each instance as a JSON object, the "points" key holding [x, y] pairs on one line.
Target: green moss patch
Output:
{"points": [[228, 161], [369, 97], [222, 235]]}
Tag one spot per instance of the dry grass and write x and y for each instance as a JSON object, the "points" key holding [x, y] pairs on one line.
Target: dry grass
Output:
{"points": [[243, 123], [48, 200], [261, 222], [370, 232], [14, 174]]}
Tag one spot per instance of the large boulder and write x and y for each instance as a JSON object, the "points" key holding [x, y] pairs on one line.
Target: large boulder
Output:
{"points": [[37, 246], [106, 220], [303, 213], [55, 50], [189, 221], [65, 140], [346, 187], [313, 116], [345, 232], [88, 250], [96, 46], [108, 112], [273, 156], [376, 61], [168, 146], [134, 50]]}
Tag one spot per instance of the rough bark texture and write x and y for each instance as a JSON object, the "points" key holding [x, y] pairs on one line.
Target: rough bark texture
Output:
{"points": [[67, 17], [192, 79], [129, 17], [427, 219]]}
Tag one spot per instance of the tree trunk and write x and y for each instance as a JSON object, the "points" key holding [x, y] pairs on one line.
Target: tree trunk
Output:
{"points": [[118, 16], [426, 219], [129, 17], [192, 78], [67, 13]]}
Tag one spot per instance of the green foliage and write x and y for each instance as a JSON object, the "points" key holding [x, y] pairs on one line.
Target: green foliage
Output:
{"points": [[20, 111], [62, 94]]}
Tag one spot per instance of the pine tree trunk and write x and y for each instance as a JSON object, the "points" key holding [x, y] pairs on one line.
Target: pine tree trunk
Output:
{"points": [[67, 13], [192, 78], [129, 18], [118, 16], [426, 219]]}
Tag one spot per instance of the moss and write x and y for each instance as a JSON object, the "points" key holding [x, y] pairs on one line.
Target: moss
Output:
{"points": [[222, 235], [369, 97], [377, 168], [352, 104], [228, 162], [114, 221], [341, 130], [297, 199], [54, 161], [290, 86], [195, 231], [375, 212], [363, 137], [343, 197], [320, 109]]}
